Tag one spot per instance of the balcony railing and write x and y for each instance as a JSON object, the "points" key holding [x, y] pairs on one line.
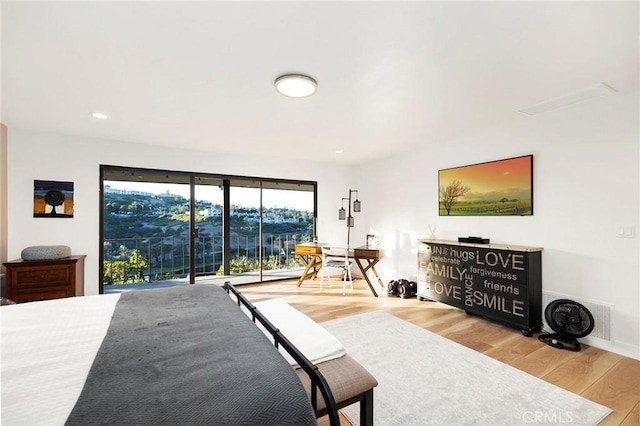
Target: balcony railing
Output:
{"points": [[131, 260]]}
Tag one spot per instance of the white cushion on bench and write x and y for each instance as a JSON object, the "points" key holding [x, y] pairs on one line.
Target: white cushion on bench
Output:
{"points": [[314, 341]]}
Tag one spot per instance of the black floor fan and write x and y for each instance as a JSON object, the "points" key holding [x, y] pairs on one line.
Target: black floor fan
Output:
{"points": [[570, 320]]}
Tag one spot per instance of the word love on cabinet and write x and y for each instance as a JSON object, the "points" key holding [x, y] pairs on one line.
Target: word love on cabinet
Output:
{"points": [[498, 282]]}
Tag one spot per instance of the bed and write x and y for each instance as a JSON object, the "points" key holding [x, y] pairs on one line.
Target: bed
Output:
{"points": [[183, 355]]}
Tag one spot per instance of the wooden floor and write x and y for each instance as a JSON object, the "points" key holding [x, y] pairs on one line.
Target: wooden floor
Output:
{"points": [[600, 376]]}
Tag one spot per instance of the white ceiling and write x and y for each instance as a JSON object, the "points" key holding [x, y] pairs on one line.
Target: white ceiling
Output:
{"points": [[392, 76]]}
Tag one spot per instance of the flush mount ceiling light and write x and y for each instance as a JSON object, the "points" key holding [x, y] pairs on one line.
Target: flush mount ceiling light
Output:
{"points": [[296, 85], [99, 115]]}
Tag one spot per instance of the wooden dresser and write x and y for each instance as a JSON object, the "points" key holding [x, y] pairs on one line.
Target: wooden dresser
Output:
{"points": [[29, 280]]}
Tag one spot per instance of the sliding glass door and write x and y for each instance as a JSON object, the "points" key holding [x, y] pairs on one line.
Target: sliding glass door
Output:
{"points": [[208, 226], [244, 230], [287, 219], [159, 226], [144, 226], [267, 218]]}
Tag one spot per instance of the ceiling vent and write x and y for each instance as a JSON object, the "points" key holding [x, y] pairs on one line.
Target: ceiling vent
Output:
{"points": [[583, 95]]}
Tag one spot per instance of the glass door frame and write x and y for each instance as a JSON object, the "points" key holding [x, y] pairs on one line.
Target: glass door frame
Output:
{"points": [[193, 230]]}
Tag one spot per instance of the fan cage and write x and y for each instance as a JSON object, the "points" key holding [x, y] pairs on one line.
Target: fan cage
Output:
{"points": [[569, 318], [602, 313]]}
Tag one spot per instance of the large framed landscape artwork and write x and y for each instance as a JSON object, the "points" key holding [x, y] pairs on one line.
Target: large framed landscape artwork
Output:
{"points": [[495, 188]]}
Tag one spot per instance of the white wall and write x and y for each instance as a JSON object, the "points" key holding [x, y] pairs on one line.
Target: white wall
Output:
{"points": [[38, 156], [586, 185]]}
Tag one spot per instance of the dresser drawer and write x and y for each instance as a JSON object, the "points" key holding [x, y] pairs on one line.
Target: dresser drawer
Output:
{"points": [[31, 295], [42, 275]]}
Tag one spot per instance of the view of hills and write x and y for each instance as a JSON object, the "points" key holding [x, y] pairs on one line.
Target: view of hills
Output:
{"points": [[147, 235], [142, 215]]}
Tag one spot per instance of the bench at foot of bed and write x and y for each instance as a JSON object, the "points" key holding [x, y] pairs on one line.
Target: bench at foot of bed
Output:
{"points": [[349, 382], [338, 379]]}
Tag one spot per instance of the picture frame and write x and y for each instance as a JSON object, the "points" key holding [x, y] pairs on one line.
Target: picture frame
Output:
{"points": [[52, 199], [494, 188], [374, 241]]}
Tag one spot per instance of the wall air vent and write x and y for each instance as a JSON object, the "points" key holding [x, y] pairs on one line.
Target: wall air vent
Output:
{"points": [[602, 313], [583, 95]]}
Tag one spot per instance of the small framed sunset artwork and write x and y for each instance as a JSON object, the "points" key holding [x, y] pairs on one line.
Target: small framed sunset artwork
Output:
{"points": [[52, 199], [495, 188]]}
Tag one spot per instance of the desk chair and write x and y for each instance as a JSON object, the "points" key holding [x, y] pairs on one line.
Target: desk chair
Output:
{"points": [[336, 258]]}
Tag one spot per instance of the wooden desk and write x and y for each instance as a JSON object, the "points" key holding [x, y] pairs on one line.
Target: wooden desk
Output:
{"points": [[366, 258], [310, 254]]}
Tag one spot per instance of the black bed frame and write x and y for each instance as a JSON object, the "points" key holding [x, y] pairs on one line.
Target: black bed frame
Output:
{"points": [[318, 382]]}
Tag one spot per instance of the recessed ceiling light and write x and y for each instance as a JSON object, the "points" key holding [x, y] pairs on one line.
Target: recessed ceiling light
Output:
{"points": [[99, 115], [338, 151], [296, 85]]}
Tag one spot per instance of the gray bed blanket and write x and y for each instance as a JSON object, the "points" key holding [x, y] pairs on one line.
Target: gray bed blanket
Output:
{"points": [[188, 356]]}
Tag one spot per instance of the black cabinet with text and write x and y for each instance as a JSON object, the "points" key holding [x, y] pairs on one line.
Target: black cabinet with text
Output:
{"points": [[499, 282]]}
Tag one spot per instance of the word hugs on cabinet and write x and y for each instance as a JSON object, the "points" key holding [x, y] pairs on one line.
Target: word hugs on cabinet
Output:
{"points": [[493, 281]]}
